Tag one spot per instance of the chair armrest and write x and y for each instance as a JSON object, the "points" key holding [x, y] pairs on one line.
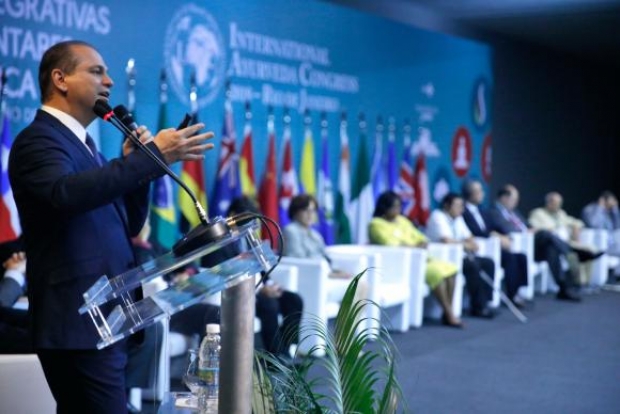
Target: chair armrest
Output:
{"points": [[287, 276]]}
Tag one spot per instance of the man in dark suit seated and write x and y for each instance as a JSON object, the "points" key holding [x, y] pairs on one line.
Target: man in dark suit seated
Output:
{"points": [[15, 336], [514, 264], [504, 218]]}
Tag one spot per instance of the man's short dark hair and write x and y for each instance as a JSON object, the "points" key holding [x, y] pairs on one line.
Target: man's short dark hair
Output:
{"points": [[60, 56]]}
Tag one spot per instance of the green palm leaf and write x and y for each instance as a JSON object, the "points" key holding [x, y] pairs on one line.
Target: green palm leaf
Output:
{"points": [[358, 378]]}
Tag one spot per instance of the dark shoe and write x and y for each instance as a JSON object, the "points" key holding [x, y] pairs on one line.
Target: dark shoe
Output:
{"points": [[446, 322], [487, 313], [289, 362], [132, 408], [521, 303], [585, 255], [566, 294]]}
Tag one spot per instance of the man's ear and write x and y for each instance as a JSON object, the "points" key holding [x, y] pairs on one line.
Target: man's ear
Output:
{"points": [[58, 79]]}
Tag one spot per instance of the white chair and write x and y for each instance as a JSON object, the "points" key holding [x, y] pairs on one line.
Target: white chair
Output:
{"points": [[491, 247], [287, 276], [23, 388], [600, 240], [395, 275], [523, 242], [452, 253], [316, 289]]}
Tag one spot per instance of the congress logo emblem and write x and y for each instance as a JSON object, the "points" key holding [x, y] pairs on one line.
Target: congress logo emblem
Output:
{"points": [[194, 47]]}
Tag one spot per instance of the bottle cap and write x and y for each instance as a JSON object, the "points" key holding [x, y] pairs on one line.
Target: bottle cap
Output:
{"points": [[213, 328]]}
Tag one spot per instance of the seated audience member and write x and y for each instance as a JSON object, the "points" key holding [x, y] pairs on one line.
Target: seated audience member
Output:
{"points": [[504, 218], [551, 217], [389, 227], [271, 301], [15, 334], [514, 264], [302, 240], [446, 225], [604, 214]]}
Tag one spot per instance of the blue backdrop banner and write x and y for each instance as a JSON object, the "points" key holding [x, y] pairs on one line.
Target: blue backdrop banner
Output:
{"points": [[298, 54]]}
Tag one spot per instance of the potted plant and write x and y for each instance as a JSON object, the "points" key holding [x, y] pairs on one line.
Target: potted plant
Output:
{"points": [[356, 376]]}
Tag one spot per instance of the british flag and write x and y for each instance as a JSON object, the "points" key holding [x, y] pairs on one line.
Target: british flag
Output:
{"points": [[227, 183], [405, 186]]}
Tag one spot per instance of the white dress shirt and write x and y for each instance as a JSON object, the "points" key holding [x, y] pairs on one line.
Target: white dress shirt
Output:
{"points": [[441, 225]]}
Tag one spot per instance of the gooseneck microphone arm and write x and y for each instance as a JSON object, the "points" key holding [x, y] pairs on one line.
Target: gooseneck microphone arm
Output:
{"points": [[105, 111]]}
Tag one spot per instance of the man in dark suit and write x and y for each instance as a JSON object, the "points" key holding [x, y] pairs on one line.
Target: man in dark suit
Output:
{"points": [[15, 335], [78, 213], [505, 219], [514, 264]]}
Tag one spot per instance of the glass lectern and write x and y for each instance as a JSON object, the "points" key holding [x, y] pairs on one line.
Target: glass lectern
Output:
{"points": [[237, 256]]}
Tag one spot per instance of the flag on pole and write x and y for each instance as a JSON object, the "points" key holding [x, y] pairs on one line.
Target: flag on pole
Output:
{"points": [[378, 172], [421, 192], [325, 190], [227, 185], [289, 185], [268, 194], [163, 215], [192, 174], [246, 163], [343, 197], [10, 228], [391, 166], [307, 167], [362, 200], [405, 186]]}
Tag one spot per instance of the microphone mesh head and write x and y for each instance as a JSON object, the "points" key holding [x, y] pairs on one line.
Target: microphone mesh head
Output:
{"points": [[102, 108], [123, 114]]}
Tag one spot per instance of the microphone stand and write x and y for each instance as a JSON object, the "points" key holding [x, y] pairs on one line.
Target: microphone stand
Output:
{"points": [[205, 232]]}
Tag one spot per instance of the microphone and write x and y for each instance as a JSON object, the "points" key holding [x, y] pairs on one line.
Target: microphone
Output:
{"points": [[205, 232], [124, 115]]}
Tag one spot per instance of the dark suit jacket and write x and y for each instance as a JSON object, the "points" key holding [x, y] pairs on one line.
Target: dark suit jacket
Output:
{"points": [[77, 219], [499, 223], [10, 291], [473, 225]]}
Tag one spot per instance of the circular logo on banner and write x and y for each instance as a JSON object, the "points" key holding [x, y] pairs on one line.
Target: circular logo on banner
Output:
{"points": [[480, 103], [486, 158], [194, 47], [461, 151]]}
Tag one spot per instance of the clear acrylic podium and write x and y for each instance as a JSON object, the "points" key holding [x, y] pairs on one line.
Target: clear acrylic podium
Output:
{"points": [[131, 316], [237, 257]]}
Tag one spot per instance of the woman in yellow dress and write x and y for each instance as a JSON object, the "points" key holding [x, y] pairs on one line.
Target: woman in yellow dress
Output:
{"points": [[388, 227]]}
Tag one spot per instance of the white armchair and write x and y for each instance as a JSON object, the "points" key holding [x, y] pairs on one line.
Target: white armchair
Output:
{"points": [[287, 276], [523, 242], [317, 290], [600, 240], [491, 247], [23, 388], [395, 282], [452, 253]]}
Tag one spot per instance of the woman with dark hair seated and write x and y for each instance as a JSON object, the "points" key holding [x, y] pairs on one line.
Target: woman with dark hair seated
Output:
{"points": [[388, 227], [303, 241]]}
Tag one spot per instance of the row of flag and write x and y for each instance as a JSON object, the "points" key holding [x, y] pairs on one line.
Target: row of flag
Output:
{"points": [[10, 228], [344, 211]]}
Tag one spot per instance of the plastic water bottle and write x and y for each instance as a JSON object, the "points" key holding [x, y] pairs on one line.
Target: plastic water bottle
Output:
{"points": [[209, 369]]}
